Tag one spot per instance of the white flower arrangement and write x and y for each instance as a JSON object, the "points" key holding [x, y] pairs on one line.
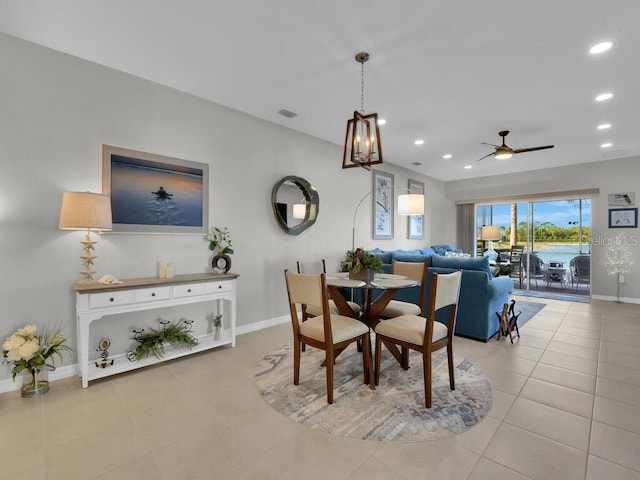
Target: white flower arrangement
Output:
{"points": [[29, 351], [220, 238], [618, 256]]}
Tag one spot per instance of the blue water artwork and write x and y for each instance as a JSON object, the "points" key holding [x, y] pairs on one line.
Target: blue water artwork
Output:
{"points": [[144, 192]]}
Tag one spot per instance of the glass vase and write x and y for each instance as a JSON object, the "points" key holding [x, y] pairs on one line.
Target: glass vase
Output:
{"points": [[35, 382]]}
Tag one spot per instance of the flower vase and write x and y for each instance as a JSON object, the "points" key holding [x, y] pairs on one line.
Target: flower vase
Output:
{"points": [[221, 262], [35, 382], [217, 332]]}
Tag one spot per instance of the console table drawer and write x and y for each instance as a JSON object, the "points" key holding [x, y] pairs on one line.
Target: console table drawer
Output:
{"points": [[152, 294], [219, 287], [109, 299], [189, 290]]}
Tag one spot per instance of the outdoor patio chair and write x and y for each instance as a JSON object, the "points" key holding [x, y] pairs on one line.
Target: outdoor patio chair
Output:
{"points": [[533, 268], [580, 270]]}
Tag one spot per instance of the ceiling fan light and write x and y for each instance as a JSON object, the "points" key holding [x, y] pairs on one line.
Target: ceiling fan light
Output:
{"points": [[503, 154]]}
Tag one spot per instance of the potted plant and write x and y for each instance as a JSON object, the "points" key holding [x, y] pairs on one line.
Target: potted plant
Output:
{"points": [[361, 265], [33, 354], [220, 239]]}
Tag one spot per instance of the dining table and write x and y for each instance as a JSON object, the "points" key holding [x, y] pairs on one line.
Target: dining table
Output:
{"points": [[386, 284]]}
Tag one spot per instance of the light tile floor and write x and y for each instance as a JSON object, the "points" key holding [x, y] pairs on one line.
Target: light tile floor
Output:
{"points": [[566, 406]]}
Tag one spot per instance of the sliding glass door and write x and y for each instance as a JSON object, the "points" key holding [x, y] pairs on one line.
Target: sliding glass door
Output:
{"points": [[553, 234]]}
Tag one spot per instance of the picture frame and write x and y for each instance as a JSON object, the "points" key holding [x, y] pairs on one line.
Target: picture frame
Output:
{"points": [[623, 199], [623, 218], [382, 205], [415, 223], [153, 193]]}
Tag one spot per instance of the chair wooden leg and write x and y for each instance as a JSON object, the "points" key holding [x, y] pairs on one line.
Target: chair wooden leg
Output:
{"points": [[452, 378], [405, 358], [377, 361], [296, 362], [426, 366], [330, 363], [367, 362]]}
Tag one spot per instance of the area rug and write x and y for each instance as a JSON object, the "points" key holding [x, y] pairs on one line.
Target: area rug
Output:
{"points": [[528, 309], [395, 411]]}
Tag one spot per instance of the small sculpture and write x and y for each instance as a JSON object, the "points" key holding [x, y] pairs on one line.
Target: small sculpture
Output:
{"points": [[103, 346]]}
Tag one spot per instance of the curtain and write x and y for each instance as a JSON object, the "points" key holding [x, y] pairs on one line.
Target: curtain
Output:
{"points": [[466, 229]]}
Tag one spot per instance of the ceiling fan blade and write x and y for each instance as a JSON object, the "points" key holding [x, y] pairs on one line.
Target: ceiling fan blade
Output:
{"points": [[487, 155], [491, 144], [531, 149]]}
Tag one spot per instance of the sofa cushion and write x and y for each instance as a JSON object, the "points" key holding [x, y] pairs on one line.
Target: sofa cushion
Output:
{"points": [[407, 256], [384, 255], [443, 248], [458, 263], [427, 251]]}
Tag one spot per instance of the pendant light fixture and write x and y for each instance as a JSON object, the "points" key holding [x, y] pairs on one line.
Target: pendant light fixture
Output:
{"points": [[362, 147]]}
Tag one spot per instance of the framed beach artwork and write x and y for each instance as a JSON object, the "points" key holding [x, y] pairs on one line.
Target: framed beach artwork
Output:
{"points": [[153, 193], [416, 222], [623, 218], [382, 207]]}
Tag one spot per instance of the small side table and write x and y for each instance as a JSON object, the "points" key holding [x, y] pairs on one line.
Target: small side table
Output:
{"points": [[557, 274]]}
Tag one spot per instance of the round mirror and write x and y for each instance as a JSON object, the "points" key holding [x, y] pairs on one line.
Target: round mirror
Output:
{"points": [[295, 204]]}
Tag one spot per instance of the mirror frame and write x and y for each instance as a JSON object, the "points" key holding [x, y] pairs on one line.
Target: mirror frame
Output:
{"points": [[311, 198]]}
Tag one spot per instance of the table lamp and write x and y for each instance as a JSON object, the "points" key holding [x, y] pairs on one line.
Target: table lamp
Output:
{"points": [[86, 211], [491, 233]]}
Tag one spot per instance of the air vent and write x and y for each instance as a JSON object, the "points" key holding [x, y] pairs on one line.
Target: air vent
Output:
{"points": [[287, 113]]}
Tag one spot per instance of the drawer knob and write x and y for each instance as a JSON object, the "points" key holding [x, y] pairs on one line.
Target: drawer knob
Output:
{"points": [[153, 294], [219, 286], [111, 299], [188, 290]]}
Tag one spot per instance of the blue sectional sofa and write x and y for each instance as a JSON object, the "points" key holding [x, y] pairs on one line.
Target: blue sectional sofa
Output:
{"points": [[481, 295]]}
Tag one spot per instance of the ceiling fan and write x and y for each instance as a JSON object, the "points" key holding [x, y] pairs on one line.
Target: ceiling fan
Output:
{"points": [[504, 152]]}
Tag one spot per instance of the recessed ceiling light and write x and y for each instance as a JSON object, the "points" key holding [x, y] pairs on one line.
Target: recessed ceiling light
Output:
{"points": [[604, 126], [468, 167], [600, 47], [606, 145], [604, 96], [381, 121], [419, 142], [447, 156], [417, 164]]}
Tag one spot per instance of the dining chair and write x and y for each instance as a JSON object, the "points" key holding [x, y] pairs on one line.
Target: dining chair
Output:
{"points": [[329, 332], [317, 267], [515, 259], [415, 271], [425, 335]]}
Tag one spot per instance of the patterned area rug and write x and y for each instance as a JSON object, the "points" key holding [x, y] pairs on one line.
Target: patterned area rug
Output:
{"points": [[395, 411]]}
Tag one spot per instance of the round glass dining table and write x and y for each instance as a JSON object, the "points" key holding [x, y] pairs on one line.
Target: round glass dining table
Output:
{"points": [[371, 307]]}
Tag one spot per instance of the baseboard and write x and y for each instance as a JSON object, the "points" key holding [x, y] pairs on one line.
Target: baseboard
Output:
{"points": [[66, 371], [610, 298]]}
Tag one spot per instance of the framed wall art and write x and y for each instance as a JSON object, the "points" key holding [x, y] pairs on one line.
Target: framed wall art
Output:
{"points": [[153, 193], [623, 218], [382, 207], [416, 222], [624, 199]]}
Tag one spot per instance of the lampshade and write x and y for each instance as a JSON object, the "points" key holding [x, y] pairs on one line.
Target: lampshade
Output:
{"points": [[411, 204], [503, 154], [85, 211], [491, 233]]}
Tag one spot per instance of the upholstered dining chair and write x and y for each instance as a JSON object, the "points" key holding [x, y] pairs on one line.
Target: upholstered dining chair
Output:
{"points": [[415, 271], [329, 332], [315, 268], [425, 335]]}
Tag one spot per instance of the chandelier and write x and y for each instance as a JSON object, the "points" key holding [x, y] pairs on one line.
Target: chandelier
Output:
{"points": [[362, 147]]}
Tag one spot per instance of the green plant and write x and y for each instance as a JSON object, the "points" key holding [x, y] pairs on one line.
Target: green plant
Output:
{"points": [[29, 351], [217, 321], [220, 238], [177, 335], [357, 260]]}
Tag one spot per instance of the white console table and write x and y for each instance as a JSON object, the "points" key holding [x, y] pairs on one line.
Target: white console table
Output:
{"points": [[95, 300]]}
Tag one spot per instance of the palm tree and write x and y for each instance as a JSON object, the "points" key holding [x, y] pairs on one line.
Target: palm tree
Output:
{"points": [[514, 224]]}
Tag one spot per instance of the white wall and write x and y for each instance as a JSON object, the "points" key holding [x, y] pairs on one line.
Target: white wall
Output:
{"points": [[610, 176], [57, 109]]}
